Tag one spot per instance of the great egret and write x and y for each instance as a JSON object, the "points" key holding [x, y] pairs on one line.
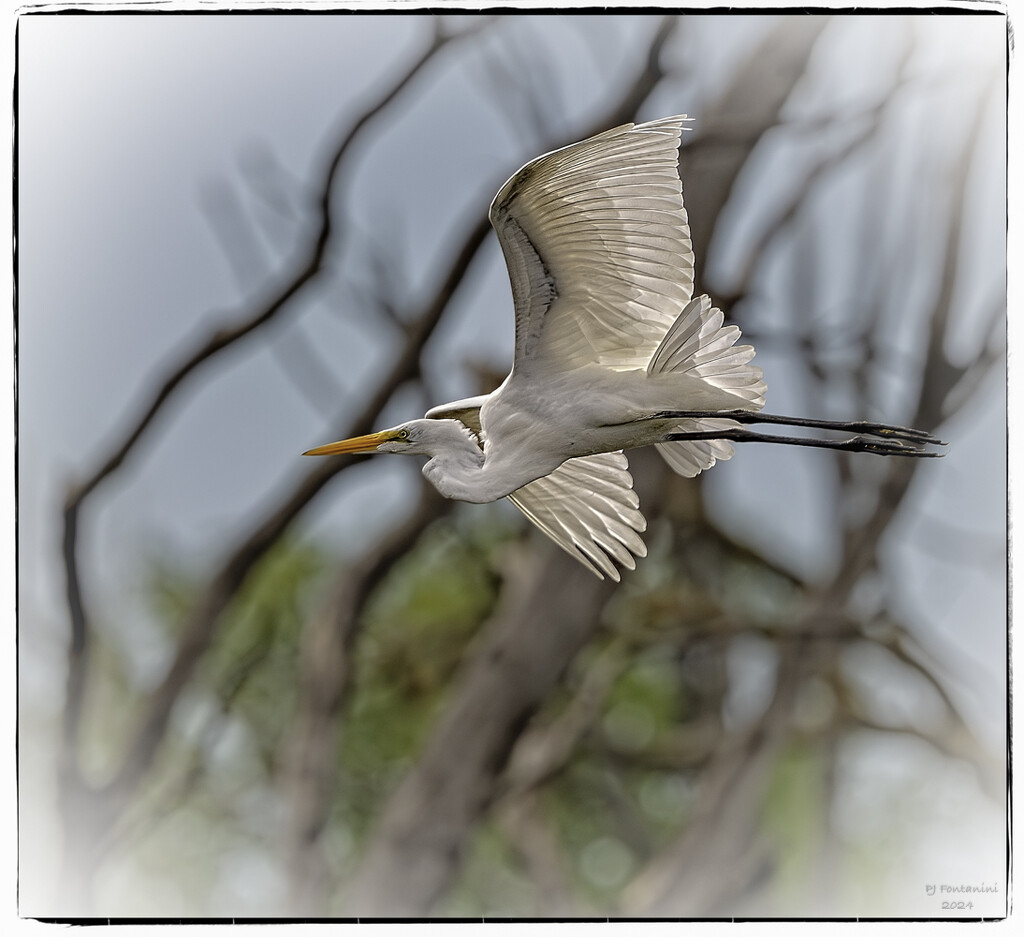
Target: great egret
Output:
{"points": [[611, 353]]}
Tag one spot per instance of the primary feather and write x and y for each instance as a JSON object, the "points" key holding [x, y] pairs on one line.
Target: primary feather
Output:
{"points": [[597, 246]]}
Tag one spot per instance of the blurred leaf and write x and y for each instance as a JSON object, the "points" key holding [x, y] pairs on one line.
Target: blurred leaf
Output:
{"points": [[417, 627], [794, 810]]}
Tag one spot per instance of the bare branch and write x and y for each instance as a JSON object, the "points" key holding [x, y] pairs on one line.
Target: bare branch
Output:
{"points": [[232, 233], [674, 882], [543, 750], [789, 212], [306, 370], [199, 628], [324, 678], [749, 107], [307, 267], [941, 375], [521, 821], [991, 355]]}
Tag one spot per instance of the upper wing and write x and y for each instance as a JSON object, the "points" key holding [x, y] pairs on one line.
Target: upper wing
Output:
{"points": [[467, 411], [588, 507], [598, 247]]}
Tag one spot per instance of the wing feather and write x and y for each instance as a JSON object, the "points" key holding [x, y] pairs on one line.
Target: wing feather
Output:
{"points": [[466, 411], [597, 245], [588, 507]]}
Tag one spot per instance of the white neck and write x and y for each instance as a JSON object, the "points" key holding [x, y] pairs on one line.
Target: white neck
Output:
{"points": [[460, 470], [457, 467]]}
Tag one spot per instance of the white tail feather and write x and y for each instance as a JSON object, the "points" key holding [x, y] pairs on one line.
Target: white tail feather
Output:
{"points": [[698, 343]]}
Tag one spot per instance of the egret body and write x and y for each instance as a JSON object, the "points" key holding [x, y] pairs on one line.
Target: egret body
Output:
{"points": [[612, 352]]}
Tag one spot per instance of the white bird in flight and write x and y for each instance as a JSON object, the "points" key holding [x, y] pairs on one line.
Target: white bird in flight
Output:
{"points": [[611, 353]]}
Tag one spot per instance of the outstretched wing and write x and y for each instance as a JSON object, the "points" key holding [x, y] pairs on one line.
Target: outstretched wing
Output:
{"points": [[587, 505], [598, 248]]}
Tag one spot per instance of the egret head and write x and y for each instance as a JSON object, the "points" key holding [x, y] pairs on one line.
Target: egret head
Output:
{"points": [[417, 437]]}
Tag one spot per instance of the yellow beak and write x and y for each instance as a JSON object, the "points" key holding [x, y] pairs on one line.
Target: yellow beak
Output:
{"points": [[358, 444]]}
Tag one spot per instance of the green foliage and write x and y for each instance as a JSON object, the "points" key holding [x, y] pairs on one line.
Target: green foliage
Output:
{"points": [[419, 622], [170, 590], [202, 802], [625, 791], [250, 666], [617, 802], [612, 806], [416, 628], [493, 882], [644, 703], [754, 592], [253, 662], [110, 710], [794, 814]]}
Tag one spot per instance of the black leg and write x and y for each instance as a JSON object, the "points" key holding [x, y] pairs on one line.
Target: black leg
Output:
{"points": [[884, 446], [862, 427]]}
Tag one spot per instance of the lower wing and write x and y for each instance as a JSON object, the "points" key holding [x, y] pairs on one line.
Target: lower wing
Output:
{"points": [[588, 507]]}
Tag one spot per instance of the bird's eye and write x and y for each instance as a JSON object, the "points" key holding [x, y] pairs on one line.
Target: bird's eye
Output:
{"points": [[403, 434]]}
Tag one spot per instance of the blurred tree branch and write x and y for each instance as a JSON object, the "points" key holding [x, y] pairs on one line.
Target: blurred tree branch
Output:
{"points": [[748, 108], [87, 810], [325, 669]]}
